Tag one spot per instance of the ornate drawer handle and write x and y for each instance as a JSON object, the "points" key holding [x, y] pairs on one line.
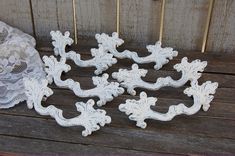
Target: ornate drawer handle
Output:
{"points": [[90, 119], [158, 55], [103, 57], [105, 90], [139, 110], [131, 79]]}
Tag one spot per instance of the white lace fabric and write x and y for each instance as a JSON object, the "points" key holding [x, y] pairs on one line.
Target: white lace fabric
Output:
{"points": [[18, 59]]}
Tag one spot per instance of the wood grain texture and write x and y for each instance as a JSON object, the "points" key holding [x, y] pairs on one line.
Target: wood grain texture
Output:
{"points": [[52, 15], [95, 16], [50, 147], [222, 30], [16, 13], [207, 133], [139, 21], [184, 21]]}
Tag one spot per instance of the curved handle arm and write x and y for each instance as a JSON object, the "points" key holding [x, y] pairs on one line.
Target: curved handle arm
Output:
{"points": [[139, 110], [158, 55], [90, 118], [131, 79], [103, 56], [101, 59], [105, 90]]}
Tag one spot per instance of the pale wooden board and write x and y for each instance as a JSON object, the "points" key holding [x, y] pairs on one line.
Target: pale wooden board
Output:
{"points": [[139, 21], [52, 15], [16, 13], [205, 133], [95, 16], [184, 21], [222, 30]]}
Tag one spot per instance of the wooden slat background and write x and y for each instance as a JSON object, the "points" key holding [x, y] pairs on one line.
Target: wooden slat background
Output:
{"points": [[139, 21]]}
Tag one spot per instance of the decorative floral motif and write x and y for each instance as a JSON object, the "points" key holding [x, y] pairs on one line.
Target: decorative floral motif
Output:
{"points": [[131, 79], [139, 110], [203, 92], [7, 64], [158, 54], [105, 90], [162, 55], [90, 118], [103, 56], [54, 67], [60, 42], [101, 59], [191, 71], [109, 42], [18, 58], [36, 90]]}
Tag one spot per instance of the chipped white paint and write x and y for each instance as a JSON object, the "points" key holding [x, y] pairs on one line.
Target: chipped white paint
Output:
{"points": [[131, 79], [158, 55], [105, 90], [101, 59], [139, 110], [103, 56], [90, 119]]}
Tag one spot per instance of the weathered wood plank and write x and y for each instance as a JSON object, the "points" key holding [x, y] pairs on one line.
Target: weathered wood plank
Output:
{"points": [[52, 15], [95, 16], [47, 48], [206, 132], [29, 146], [139, 21], [222, 30], [217, 122], [224, 95], [16, 13], [217, 110], [217, 63], [118, 137], [225, 81], [184, 23]]}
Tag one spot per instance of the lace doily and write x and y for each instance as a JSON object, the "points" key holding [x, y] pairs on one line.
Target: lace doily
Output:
{"points": [[18, 58]]}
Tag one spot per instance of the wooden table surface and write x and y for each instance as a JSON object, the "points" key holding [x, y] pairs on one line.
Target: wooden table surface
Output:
{"points": [[213, 132]]}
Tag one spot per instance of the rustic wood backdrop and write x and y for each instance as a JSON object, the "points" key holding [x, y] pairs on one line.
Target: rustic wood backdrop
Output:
{"points": [[184, 20]]}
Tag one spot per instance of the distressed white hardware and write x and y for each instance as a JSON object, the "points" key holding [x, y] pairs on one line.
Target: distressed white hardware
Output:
{"points": [[90, 119], [139, 110], [158, 55], [103, 56], [105, 90], [131, 79], [101, 59], [18, 58]]}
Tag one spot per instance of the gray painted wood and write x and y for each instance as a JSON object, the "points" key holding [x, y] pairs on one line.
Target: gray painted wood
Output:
{"points": [[163, 138], [95, 16], [222, 30], [52, 15], [16, 13], [208, 133], [50, 147], [184, 21], [139, 21]]}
